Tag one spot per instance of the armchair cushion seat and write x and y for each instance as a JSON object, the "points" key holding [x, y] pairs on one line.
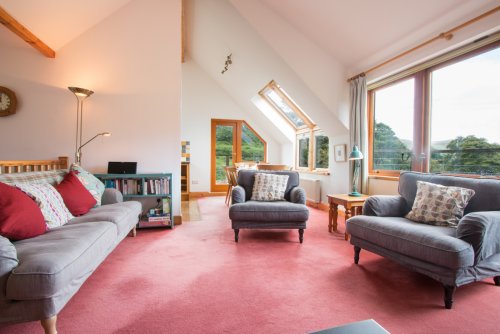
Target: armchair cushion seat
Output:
{"points": [[435, 244], [258, 211]]}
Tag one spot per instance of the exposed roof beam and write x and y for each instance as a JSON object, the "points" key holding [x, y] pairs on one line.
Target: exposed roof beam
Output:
{"points": [[11, 23]]}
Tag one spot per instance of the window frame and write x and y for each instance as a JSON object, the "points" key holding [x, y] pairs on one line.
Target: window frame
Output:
{"points": [[237, 147], [309, 127], [421, 152]]}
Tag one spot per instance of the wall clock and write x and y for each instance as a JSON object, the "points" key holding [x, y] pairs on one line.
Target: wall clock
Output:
{"points": [[8, 102]]}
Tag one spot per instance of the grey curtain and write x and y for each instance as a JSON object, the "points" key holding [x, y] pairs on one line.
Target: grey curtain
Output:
{"points": [[358, 130]]}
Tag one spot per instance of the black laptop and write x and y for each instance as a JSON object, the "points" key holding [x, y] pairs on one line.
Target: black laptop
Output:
{"points": [[115, 167]]}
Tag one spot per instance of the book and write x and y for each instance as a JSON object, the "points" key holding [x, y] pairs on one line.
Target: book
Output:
{"points": [[159, 219], [166, 205]]}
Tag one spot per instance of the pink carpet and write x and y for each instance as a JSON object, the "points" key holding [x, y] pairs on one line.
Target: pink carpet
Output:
{"points": [[195, 279]]}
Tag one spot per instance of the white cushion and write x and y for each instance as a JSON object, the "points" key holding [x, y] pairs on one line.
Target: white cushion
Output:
{"points": [[269, 187], [436, 204], [50, 202]]}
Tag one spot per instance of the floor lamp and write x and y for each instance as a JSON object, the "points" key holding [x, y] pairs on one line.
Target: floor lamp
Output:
{"points": [[356, 156], [79, 150], [81, 94]]}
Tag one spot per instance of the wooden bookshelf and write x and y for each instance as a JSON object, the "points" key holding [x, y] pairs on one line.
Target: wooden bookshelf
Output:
{"points": [[154, 191]]}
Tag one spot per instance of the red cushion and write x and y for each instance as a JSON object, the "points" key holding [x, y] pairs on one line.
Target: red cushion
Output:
{"points": [[77, 198], [20, 216]]}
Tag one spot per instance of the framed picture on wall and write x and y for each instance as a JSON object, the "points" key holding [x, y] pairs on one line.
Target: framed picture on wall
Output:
{"points": [[340, 152]]}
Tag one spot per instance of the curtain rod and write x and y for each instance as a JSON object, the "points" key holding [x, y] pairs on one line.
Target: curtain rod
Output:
{"points": [[447, 35]]}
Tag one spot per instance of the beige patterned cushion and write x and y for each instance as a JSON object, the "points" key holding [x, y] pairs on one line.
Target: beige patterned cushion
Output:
{"points": [[436, 204], [53, 177], [269, 187], [50, 202]]}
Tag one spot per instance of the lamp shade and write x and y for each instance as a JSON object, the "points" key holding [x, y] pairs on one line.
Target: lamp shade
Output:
{"points": [[81, 92], [355, 153]]}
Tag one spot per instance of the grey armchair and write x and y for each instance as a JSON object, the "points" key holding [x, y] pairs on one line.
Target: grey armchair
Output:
{"points": [[453, 256], [291, 213]]}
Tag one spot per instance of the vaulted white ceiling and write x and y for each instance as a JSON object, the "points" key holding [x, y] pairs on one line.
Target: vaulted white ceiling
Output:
{"points": [[349, 30], [352, 31], [57, 22]]}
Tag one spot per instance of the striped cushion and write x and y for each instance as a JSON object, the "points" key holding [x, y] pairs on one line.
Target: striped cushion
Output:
{"points": [[90, 182], [51, 176], [50, 202]]}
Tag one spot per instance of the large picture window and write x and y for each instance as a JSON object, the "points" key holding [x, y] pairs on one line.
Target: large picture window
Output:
{"points": [[443, 118], [312, 145]]}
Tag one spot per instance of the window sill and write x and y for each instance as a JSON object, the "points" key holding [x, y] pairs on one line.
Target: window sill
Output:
{"points": [[313, 172], [384, 177]]}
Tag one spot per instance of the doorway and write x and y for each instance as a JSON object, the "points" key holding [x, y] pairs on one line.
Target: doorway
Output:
{"points": [[232, 141]]}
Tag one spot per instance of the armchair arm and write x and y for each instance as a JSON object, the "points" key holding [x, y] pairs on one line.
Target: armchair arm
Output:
{"points": [[385, 206], [111, 196], [238, 195], [298, 195], [482, 231], [8, 261]]}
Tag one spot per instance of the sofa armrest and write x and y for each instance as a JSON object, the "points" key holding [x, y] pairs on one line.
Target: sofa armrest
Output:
{"points": [[482, 231], [8, 261], [298, 195], [238, 195], [385, 206], [111, 196]]}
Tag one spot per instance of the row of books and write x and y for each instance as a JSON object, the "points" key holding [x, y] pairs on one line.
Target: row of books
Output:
{"points": [[158, 218], [137, 187], [163, 219]]}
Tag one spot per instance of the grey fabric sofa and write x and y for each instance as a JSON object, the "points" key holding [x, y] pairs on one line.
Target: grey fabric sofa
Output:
{"points": [[292, 213], [38, 276], [453, 256]]}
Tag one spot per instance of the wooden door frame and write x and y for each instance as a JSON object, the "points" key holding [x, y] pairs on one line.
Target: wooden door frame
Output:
{"points": [[214, 187], [237, 143]]}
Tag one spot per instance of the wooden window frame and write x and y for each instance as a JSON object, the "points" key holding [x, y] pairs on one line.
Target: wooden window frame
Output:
{"points": [[238, 124], [309, 127], [422, 111]]}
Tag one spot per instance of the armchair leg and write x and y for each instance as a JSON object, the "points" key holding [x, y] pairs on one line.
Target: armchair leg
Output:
{"points": [[236, 234], [497, 280], [301, 235], [449, 290], [49, 325], [357, 250]]}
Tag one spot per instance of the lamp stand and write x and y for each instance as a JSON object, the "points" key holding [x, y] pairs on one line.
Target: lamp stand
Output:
{"points": [[355, 179]]}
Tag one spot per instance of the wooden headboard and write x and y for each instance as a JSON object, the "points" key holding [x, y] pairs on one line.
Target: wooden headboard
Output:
{"points": [[20, 166]]}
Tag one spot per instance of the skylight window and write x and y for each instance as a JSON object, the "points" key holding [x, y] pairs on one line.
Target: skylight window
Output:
{"points": [[280, 100], [284, 108], [311, 144]]}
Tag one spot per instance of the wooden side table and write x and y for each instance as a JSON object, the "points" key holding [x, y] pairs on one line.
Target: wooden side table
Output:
{"points": [[353, 206]]}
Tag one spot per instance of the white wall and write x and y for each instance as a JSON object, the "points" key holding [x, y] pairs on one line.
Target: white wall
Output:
{"points": [[216, 28], [202, 100], [132, 62]]}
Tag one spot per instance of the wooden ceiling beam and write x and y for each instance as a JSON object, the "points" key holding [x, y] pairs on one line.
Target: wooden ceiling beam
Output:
{"points": [[13, 25]]}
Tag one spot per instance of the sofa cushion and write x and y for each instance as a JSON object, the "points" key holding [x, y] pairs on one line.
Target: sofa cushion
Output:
{"points": [[434, 244], [487, 197], [50, 202], [77, 198], [280, 211], [62, 257], [89, 181], [246, 180], [269, 187], [124, 215], [439, 205], [50, 176], [20, 216]]}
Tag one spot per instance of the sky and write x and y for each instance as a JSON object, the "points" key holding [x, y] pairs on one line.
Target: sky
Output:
{"points": [[465, 100]]}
